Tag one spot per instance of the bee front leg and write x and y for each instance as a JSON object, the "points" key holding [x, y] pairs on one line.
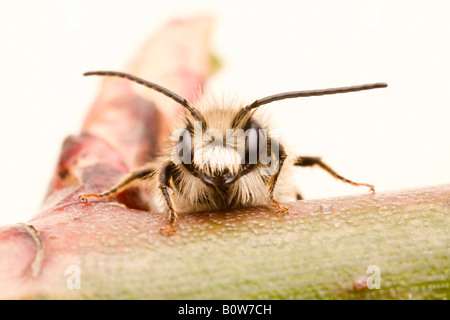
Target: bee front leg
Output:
{"points": [[144, 173], [281, 157], [164, 184]]}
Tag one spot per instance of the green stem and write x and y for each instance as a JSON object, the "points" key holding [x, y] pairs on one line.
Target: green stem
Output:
{"points": [[385, 246]]}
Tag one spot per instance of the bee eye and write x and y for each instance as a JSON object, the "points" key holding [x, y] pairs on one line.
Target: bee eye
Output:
{"points": [[251, 146], [254, 143], [184, 146]]}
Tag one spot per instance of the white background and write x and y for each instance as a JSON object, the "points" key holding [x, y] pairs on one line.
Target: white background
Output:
{"points": [[393, 138]]}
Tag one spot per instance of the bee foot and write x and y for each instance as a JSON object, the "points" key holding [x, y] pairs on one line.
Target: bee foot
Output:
{"points": [[83, 198], [167, 231], [281, 209]]}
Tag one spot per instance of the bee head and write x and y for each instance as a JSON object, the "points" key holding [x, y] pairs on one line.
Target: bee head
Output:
{"points": [[219, 157]]}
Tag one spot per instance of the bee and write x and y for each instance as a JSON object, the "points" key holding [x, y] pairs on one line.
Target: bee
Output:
{"points": [[222, 155]]}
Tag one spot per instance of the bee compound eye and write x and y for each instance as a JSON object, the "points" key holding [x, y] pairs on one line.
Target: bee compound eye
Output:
{"points": [[255, 143], [251, 146], [184, 146]]}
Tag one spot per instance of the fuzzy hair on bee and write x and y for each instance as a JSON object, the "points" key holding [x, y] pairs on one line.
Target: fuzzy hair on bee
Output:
{"points": [[213, 171], [223, 154]]}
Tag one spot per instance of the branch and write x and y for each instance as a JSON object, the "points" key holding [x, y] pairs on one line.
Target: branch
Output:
{"points": [[322, 249]]}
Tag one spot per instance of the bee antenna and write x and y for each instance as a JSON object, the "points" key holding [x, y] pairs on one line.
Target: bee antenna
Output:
{"points": [[306, 93], [150, 85]]}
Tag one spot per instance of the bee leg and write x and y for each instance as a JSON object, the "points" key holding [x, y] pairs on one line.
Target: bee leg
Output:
{"points": [[311, 161], [143, 173], [281, 156], [164, 185], [281, 209]]}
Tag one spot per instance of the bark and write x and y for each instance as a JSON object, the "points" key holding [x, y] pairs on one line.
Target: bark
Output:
{"points": [[340, 248]]}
